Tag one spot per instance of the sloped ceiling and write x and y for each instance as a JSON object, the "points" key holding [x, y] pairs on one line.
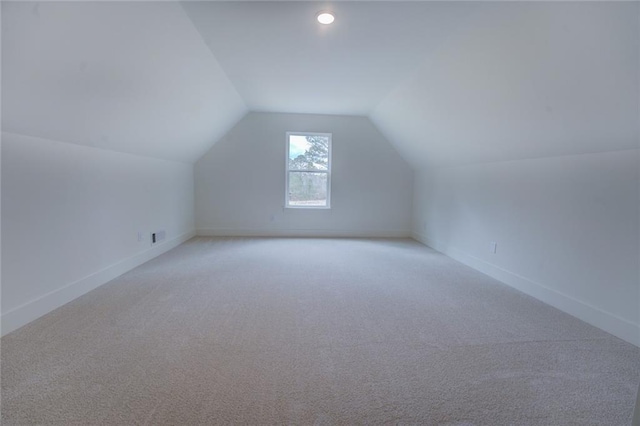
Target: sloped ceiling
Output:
{"points": [[523, 80], [281, 60], [134, 77], [446, 82]]}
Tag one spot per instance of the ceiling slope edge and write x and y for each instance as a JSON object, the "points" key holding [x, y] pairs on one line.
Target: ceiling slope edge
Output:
{"points": [[152, 88], [504, 90]]}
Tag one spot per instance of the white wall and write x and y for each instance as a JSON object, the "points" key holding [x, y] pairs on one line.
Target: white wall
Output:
{"points": [[70, 218], [567, 229], [240, 182]]}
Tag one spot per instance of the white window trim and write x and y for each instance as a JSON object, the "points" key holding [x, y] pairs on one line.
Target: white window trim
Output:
{"points": [[328, 172]]}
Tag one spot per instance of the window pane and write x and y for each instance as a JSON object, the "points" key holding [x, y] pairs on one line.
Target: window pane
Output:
{"points": [[308, 152], [307, 189]]}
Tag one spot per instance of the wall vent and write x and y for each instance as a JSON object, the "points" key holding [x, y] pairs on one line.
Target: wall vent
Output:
{"points": [[158, 236]]}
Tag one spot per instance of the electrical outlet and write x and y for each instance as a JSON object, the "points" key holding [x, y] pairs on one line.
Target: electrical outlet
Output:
{"points": [[493, 247], [140, 236]]}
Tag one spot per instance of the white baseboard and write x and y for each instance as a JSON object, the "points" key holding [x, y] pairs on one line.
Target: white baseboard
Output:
{"points": [[606, 321], [24, 314], [247, 232]]}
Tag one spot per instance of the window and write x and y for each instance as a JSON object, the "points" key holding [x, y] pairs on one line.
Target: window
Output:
{"points": [[308, 179]]}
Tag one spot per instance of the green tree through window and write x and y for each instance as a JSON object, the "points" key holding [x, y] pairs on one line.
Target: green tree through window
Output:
{"points": [[308, 171]]}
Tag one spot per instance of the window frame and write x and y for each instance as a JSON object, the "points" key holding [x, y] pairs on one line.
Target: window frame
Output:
{"points": [[287, 170]]}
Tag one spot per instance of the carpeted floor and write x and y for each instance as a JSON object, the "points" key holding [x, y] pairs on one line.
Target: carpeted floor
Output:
{"points": [[313, 331]]}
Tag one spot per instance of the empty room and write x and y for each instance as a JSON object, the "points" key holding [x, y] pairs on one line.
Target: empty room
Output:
{"points": [[327, 213]]}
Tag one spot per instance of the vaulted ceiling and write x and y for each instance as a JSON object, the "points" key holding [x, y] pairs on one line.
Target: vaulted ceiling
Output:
{"points": [[280, 59], [446, 82]]}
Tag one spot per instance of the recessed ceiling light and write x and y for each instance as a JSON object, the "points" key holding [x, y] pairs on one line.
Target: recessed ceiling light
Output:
{"points": [[325, 18]]}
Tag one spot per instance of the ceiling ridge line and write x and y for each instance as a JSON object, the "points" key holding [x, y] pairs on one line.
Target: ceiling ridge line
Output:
{"points": [[224, 71]]}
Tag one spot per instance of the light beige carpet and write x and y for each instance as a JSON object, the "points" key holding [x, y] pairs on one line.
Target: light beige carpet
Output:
{"points": [[313, 331]]}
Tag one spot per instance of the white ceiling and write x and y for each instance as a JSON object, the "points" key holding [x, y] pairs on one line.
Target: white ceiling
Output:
{"points": [[126, 76], [446, 82], [281, 60], [523, 80]]}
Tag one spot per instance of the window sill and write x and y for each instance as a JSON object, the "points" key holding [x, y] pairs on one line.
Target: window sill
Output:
{"points": [[307, 207]]}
